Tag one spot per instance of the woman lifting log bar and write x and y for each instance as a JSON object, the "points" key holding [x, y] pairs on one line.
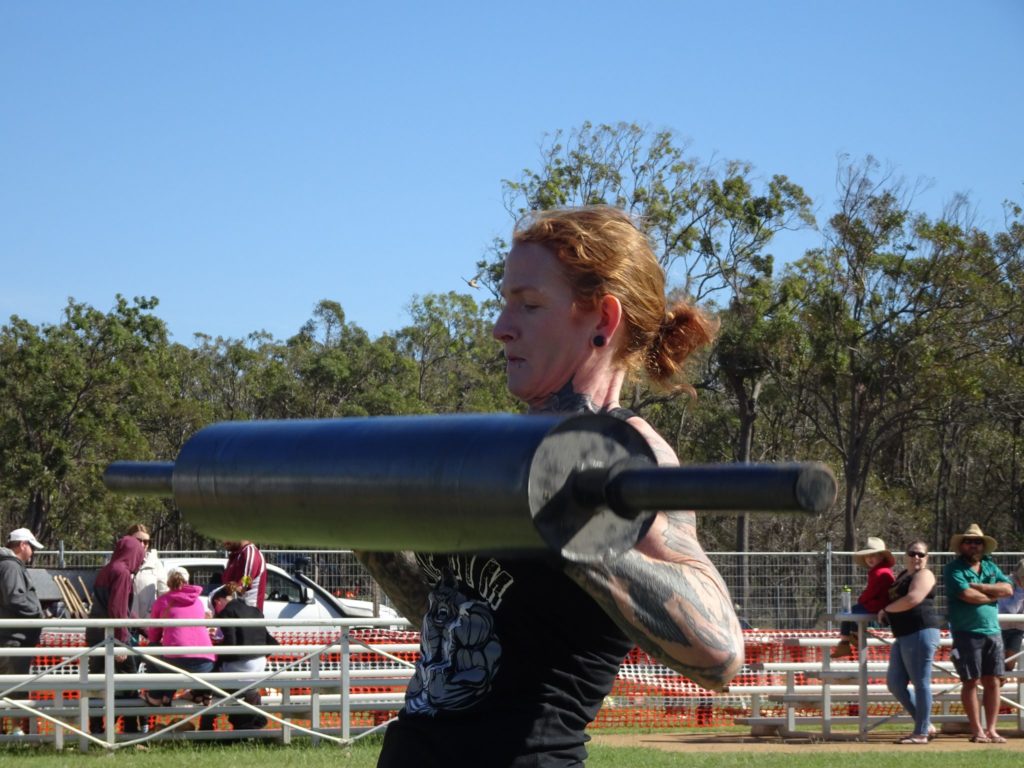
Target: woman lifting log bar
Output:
{"points": [[519, 651]]}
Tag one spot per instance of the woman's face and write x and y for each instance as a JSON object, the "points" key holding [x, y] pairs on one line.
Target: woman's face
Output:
{"points": [[912, 559], [546, 338]]}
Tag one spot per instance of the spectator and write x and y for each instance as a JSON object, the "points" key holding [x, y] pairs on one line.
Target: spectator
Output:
{"points": [[915, 625], [1013, 604], [227, 606], [974, 585], [112, 599], [246, 568], [877, 558], [151, 580], [18, 600], [181, 602]]}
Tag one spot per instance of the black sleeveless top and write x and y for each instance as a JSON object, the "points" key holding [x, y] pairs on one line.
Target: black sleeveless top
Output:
{"points": [[921, 616], [515, 662]]}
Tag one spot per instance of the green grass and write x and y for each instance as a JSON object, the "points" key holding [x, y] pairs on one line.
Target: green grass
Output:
{"points": [[651, 758], [364, 755]]}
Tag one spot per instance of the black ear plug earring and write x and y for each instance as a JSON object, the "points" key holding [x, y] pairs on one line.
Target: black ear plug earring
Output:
{"points": [[599, 340]]}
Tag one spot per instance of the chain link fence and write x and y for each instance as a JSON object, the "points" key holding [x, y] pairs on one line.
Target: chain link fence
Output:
{"points": [[800, 590], [771, 590]]}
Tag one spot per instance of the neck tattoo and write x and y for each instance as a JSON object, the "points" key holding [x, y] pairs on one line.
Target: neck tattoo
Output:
{"points": [[567, 400]]}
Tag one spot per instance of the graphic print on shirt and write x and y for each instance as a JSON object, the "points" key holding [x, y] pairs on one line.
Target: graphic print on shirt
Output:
{"points": [[459, 650]]}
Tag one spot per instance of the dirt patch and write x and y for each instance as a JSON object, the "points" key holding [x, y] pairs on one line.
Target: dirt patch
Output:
{"points": [[882, 742]]}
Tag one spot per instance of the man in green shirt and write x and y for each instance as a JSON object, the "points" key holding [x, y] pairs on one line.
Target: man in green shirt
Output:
{"points": [[974, 584]]}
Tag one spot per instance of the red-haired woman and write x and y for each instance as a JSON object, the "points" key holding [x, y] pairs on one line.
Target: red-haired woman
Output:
{"points": [[519, 651]]}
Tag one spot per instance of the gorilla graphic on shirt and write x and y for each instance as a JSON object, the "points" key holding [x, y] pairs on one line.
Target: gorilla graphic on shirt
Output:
{"points": [[459, 652]]}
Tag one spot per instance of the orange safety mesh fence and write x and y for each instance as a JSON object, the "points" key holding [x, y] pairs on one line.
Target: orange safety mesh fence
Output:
{"points": [[649, 695]]}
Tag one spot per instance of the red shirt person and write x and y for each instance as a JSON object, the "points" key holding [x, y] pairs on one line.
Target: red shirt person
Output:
{"points": [[246, 568], [877, 558], [876, 594]]}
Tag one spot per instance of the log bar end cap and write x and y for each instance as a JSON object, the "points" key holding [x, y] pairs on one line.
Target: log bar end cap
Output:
{"points": [[816, 487], [585, 529]]}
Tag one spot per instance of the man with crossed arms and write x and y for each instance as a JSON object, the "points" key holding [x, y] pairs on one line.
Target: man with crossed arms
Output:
{"points": [[974, 584]]}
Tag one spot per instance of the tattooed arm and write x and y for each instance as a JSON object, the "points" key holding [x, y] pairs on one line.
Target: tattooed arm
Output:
{"points": [[400, 578], [667, 596]]}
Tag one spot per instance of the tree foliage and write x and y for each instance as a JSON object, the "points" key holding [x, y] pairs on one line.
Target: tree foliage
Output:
{"points": [[69, 394], [458, 366]]}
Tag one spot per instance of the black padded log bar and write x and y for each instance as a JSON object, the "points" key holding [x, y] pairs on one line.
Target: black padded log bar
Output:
{"points": [[436, 483], [584, 486]]}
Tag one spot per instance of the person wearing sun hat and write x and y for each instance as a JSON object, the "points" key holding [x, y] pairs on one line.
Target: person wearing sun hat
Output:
{"points": [[879, 561], [974, 584], [18, 600]]}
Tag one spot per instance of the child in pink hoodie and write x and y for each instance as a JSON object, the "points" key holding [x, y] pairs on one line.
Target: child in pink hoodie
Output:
{"points": [[181, 602]]}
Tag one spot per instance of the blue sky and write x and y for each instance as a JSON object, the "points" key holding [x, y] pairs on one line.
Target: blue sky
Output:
{"points": [[243, 160]]}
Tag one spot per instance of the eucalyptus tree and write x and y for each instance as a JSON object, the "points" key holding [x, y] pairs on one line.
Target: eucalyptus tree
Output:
{"points": [[888, 312], [338, 370], [459, 366], [1009, 247], [973, 424], [70, 398], [235, 374], [170, 414], [707, 225]]}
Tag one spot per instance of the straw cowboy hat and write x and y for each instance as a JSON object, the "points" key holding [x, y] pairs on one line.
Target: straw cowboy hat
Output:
{"points": [[875, 546], [973, 532]]}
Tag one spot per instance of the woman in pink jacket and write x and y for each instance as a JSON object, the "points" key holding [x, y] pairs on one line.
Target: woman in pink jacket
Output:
{"points": [[181, 602]]}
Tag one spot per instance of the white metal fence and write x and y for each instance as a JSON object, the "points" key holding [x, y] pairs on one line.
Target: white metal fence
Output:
{"points": [[773, 590], [327, 674]]}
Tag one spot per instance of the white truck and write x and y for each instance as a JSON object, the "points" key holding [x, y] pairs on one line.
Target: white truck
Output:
{"points": [[289, 595]]}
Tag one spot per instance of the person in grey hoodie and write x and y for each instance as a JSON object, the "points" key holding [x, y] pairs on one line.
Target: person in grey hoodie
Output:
{"points": [[18, 600]]}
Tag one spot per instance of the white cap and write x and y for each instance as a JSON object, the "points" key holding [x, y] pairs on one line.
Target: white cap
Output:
{"points": [[182, 571], [24, 534]]}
